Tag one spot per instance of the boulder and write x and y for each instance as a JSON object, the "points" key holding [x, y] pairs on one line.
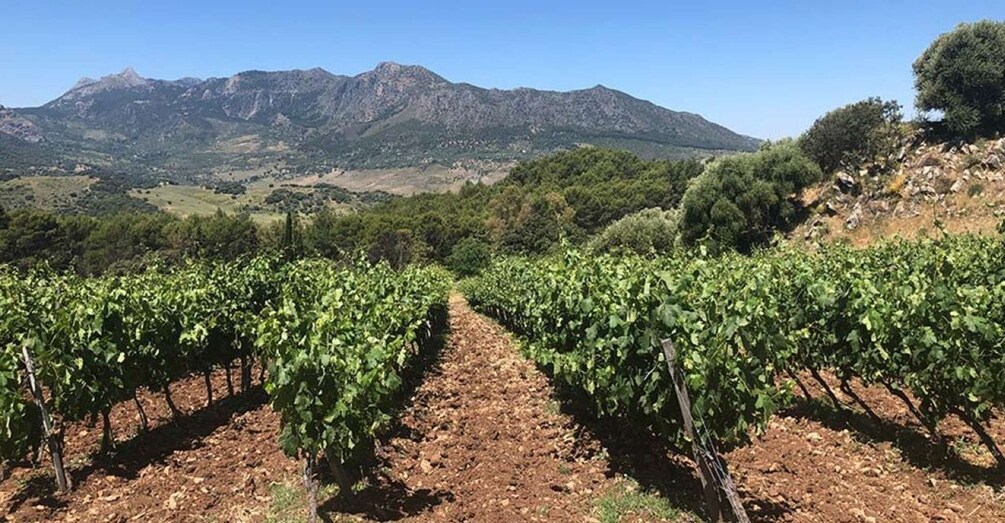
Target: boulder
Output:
{"points": [[846, 183], [855, 218], [993, 161]]}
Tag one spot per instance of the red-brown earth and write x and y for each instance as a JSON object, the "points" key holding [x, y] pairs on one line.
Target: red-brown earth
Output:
{"points": [[485, 437]]}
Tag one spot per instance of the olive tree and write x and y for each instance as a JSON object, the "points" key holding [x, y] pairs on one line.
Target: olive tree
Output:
{"points": [[962, 75], [741, 200], [853, 135]]}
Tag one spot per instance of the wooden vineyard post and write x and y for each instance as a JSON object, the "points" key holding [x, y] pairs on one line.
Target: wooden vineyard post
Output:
{"points": [[55, 445], [715, 480], [311, 485]]}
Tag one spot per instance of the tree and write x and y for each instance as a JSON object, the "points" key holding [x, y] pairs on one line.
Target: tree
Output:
{"points": [[962, 74], [291, 244], [120, 238], [469, 257], [649, 231], [220, 236], [850, 136], [741, 200], [530, 222], [397, 248], [334, 236]]}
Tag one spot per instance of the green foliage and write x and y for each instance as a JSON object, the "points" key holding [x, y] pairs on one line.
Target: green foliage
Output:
{"points": [[523, 222], [469, 257], [603, 185], [564, 195], [397, 248], [742, 200], [628, 501], [923, 316], [853, 135], [338, 344], [221, 236], [962, 75], [234, 188], [648, 231], [94, 245], [596, 324], [96, 341]]}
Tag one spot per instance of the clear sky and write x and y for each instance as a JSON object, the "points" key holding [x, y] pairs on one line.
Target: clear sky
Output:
{"points": [[766, 68]]}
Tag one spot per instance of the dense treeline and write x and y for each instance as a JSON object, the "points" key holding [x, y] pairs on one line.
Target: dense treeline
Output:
{"points": [[92, 245], [568, 195]]}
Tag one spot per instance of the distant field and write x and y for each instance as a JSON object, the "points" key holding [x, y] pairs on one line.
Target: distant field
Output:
{"points": [[44, 192], [188, 200], [406, 181]]}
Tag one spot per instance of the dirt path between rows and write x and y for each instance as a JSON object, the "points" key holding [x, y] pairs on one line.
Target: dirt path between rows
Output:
{"points": [[483, 440]]}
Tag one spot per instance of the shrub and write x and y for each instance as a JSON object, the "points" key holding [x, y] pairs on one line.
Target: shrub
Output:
{"points": [[469, 257], [398, 248], [232, 188], [962, 74], [850, 136], [741, 200], [645, 232]]}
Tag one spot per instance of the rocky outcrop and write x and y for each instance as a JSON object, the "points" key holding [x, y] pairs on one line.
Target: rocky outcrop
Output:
{"points": [[14, 125], [942, 180]]}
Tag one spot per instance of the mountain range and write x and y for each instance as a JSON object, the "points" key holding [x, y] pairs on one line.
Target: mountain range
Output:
{"points": [[308, 120]]}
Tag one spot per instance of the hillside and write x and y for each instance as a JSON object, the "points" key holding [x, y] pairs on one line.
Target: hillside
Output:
{"points": [[957, 187], [300, 122]]}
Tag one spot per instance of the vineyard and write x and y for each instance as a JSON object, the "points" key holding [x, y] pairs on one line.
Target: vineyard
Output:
{"points": [[333, 344], [335, 348], [922, 319]]}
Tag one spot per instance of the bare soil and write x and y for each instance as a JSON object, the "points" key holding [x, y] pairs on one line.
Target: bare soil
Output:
{"points": [[483, 440], [485, 437], [842, 464], [194, 469]]}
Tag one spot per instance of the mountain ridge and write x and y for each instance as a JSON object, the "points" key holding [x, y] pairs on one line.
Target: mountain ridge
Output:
{"points": [[391, 116]]}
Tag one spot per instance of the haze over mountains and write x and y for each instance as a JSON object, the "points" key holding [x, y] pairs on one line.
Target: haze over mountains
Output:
{"points": [[303, 120]]}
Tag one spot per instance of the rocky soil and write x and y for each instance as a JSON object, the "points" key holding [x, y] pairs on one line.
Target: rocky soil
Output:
{"points": [[486, 437], [959, 187]]}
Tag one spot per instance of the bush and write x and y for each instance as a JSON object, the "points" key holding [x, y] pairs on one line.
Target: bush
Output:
{"points": [[645, 232], [232, 188], [469, 257], [850, 136], [962, 74], [398, 248], [741, 200]]}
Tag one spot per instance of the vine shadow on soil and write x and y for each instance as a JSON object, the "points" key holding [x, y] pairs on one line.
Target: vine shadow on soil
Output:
{"points": [[151, 446], [652, 461], [915, 446], [385, 498]]}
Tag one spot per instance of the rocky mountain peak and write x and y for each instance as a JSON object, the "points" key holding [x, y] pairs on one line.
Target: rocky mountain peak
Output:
{"points": [[391, 72], [126, 79], [129, 76]]}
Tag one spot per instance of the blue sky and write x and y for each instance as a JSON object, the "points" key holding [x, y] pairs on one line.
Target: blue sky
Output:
{"points": [[767, 69]]}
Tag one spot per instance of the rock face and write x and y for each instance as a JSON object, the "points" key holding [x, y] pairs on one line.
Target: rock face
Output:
{"points": [[394, 115], [16, 126], [930, 179]]}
